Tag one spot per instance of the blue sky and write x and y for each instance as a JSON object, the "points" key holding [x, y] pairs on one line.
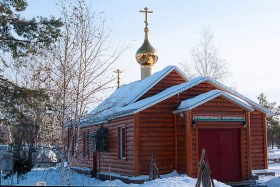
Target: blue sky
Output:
{"points": [[246, 32]]}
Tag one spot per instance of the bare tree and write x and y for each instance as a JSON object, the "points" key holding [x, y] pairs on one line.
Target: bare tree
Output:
{"points": [[77, 73], [43, 125], [80, 70], [205, 60], [33, 122]]}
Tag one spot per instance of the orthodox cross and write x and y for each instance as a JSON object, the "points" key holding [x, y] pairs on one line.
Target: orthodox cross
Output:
{"points": [[146, 16], [118, 77]]}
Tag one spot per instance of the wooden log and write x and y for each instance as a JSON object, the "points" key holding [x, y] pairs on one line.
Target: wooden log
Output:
{"points": [[249, 149], [265, 141]]}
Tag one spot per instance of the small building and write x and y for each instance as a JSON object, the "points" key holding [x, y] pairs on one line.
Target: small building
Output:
{"points": [[174, 117]]}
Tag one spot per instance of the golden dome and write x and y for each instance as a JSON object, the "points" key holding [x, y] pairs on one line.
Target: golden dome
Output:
{"points": [[146, 54]]}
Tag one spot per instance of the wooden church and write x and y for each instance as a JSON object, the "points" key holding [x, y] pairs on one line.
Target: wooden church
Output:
{"points": [[174, 118]]}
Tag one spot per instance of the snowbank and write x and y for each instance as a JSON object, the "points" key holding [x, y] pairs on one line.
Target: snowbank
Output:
{"points": [[46, 155], [178, 181], [274, 182], [52, 178]]}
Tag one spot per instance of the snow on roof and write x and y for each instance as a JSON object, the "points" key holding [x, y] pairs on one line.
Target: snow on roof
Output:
{"points": [[238, 95], [122, 101], [205, 97], [167, 93], [128, 94]]}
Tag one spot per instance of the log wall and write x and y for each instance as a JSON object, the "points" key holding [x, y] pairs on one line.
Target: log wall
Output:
{"points": [[110, 160], [156, 135], [258, 136], [181, 144], [157, 132]]}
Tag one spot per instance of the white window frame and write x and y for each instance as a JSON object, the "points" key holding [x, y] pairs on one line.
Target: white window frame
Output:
{"points": [[93, 144], [122, 143]]}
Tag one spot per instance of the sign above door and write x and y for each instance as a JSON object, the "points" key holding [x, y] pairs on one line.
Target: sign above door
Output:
{"points": [[218, 117]]}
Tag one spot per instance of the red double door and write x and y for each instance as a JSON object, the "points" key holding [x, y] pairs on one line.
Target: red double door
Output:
{"points": [[223, 152]]}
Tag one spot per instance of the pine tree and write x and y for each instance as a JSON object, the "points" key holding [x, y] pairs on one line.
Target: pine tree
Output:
{"points": [[20, 106], [16, 107], [273, 126], [20, 36], [17, 104]]}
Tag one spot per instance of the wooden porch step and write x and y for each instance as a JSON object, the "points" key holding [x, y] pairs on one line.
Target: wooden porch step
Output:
{"points": [[265, 172], [105, 176], [248, 183]]}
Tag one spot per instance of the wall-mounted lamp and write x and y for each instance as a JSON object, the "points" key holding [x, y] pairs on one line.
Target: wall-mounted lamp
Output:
{"points": [[182, 114], [245, 124], [194, 124]]}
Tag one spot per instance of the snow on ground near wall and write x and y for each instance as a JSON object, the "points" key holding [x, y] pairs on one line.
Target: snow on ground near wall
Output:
{"points": [[273, 168], [273, 153], [52, 178], [177, 181], [272, 181]]}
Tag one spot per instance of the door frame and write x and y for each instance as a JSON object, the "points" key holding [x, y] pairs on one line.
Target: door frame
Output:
{"points": [[95, 163], [240, 148], [234, 125]]}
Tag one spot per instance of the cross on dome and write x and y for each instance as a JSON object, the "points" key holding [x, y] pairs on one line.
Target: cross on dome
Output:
{"points": [[146, 55], [146, 11]]}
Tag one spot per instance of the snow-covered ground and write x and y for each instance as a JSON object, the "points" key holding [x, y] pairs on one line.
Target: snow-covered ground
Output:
{"points": [[52, 178], [272, 181]]}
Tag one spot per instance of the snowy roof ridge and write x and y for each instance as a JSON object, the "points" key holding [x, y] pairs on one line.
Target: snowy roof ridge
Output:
{"points": [[205, 97], [235, 93], [123, 101], [129, 93], [132, 109], [150, 101], [165, 71]]}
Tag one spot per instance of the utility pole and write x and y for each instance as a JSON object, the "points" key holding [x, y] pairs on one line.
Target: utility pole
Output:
{"points": [[118, 77]]}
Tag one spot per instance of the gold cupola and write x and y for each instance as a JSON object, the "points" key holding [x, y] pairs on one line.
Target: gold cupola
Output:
{"points": [[146, 55]]}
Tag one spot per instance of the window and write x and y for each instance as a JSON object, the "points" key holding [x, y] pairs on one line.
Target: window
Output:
{"points": [[122, 142], [85, 144], [93, 144], [99, 140]]}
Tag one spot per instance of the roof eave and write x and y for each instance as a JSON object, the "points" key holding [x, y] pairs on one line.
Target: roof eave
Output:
{"points": [[229, 90], [166, 97], [122, 115], [221, 93], [241, 104]]}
